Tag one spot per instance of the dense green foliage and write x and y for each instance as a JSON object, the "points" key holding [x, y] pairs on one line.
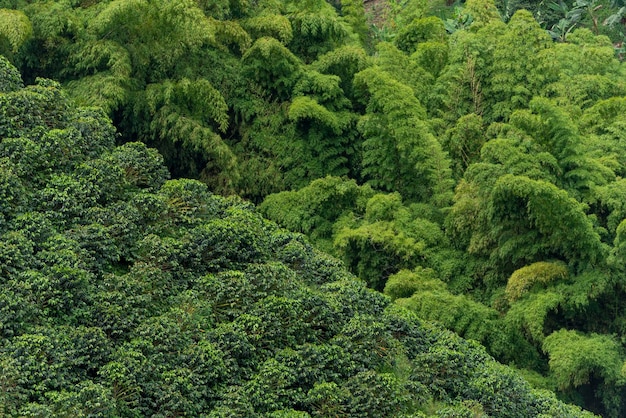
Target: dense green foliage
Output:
{"points": [[126, 294], [467, 160]]}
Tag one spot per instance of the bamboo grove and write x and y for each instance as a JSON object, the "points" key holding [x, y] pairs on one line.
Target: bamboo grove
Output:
{"points": [[464, 161]]}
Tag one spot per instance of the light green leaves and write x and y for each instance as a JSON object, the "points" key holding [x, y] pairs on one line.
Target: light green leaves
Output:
{"points": [[576, 357], [15, 27], [399, 152], [540, 273], [559, 219]]}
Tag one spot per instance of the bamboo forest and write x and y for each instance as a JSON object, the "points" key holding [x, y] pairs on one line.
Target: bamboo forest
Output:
{"points": [[313, 208]]}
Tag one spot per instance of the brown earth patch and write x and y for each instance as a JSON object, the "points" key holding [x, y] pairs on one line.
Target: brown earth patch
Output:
{"points": [[376, 11]]}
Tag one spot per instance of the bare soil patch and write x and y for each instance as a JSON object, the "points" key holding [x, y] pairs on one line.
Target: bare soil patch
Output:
{"points": [[376, 11]]}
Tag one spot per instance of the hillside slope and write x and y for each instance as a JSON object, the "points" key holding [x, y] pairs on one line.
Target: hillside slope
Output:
{"points": [[125, 294]]}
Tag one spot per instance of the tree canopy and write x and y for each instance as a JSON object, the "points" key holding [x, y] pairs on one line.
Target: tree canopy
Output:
{"points": [[466, 161], [126, 293]]}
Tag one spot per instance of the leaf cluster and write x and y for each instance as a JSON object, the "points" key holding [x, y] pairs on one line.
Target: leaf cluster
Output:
{"points": [[124, 293]]}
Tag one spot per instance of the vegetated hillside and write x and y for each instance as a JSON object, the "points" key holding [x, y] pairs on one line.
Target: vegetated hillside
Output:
{"points": [[126, 294], [467, 159], [527, 256]]}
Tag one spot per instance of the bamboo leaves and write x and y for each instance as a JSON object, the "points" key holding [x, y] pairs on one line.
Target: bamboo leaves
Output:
{"points": [[400, 153], [15, 28]]}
